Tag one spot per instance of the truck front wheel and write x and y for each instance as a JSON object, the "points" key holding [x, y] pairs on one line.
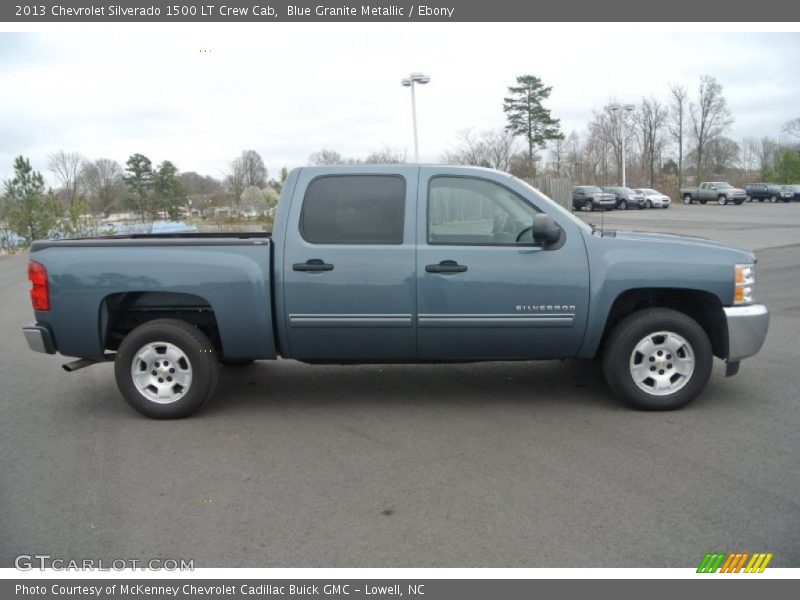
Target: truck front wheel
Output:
{"points": [[658, 359], [166, 369], [722, 200]]}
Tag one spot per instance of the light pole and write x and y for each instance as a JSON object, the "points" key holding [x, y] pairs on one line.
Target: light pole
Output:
{"points": [[409, 82], [615, 108]]}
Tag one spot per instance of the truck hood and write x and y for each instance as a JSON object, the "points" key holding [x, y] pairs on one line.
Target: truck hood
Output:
{"points": [[684, 240]]}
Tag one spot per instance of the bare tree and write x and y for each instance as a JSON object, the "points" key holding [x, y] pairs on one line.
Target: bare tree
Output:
{"points": [[204, 191], [235, 181], [66, 167], [492, 148], [605, 131], [678, 109], [387, 155], [768, 149], [558, 152], [649, 120], [326, 157], [100, 182], [748, 155], [722, 155], [252, 168], [792, 128], [711, 116]]}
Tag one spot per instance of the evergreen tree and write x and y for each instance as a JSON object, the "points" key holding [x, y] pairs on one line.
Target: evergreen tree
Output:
{"points": [[169, 193], [526, 115], [139, 179], [31, 214]]}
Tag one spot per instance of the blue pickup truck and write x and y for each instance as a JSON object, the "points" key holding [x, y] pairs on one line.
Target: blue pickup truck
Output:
{"points": [[397, 264]]}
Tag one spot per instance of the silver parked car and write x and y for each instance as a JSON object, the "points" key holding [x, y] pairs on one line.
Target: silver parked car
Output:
{"points": [[653, 198]]}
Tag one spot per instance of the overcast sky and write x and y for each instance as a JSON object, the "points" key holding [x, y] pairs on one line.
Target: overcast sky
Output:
{"points": [[288, 90]]}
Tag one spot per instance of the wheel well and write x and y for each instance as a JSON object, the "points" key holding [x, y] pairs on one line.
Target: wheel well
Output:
{"points": [[703, 307], [123, 312]]}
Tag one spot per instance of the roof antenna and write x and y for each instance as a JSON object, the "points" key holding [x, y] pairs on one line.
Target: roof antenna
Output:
{"points": [[602, 221]]}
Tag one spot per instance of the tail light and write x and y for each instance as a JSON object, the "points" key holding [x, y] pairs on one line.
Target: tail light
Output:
{"points": [[40, 295]]}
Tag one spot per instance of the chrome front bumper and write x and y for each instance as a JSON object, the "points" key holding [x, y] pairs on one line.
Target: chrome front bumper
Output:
{"points": [[747, 330], [39, 339]]}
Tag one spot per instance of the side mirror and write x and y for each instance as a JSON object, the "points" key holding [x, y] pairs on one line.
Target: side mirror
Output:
{"points": [[545, 231]]}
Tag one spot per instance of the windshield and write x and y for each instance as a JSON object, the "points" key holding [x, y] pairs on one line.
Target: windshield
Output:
{"points": [[555, 206]]}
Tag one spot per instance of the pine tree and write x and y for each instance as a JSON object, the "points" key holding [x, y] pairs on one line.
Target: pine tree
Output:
{"points": [[139, 179], [32, 214], [527, 117]]}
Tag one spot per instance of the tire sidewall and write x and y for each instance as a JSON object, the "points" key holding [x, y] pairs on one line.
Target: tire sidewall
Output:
{"points": [[623, 341], [203, 380]]}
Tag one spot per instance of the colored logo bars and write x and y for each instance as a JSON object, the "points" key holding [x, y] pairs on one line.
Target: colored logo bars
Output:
{"points": [[734, 562]]}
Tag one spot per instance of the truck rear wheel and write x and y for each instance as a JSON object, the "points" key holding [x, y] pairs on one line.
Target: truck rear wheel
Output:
{"points": [[658, 359], [166, 369], [687, 199]]}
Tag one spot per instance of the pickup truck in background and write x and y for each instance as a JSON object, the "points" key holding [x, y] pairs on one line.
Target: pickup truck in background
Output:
{"points": [[591, 197], [397, 264], [768, 191], [714, 191]]}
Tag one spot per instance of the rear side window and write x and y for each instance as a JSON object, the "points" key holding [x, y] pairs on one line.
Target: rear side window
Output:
{"points": [[354, 209]]}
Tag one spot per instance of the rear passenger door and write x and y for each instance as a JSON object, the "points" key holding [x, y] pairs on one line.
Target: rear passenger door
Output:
{"points": [[348, 265]]}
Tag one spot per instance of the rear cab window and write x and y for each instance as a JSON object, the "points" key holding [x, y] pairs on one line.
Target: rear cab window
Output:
{"points": [[354, 209]]}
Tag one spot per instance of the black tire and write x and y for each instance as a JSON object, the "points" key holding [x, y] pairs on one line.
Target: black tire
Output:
{"points": [[648, 204], [687, 199], [590, 205], [623, 205], [622, 342], [722, 200], [197, 350], [236, 362], [773, 199]]}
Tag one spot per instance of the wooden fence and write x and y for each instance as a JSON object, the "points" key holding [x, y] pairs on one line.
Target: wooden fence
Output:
{"points": [[558, 189]]}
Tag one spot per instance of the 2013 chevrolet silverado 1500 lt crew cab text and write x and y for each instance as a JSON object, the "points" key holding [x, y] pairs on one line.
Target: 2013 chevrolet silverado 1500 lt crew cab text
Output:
{"points": [[398, 264]]}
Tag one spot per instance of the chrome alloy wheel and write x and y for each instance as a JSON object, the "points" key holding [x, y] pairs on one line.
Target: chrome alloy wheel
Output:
{"points": [[662, 363], [161, 372]]}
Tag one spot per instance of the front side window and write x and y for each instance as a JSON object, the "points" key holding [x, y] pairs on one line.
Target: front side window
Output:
{"points": [[469, 211], [354, 209]]}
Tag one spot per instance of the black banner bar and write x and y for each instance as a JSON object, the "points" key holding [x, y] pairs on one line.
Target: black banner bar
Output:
{"points": [[248, 11]]}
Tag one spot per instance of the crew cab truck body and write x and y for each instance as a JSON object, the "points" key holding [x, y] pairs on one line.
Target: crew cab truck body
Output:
{"points": [[714, 191], [397, 264]]}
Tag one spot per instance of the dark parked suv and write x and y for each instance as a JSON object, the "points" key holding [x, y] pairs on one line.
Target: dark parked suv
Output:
{"points": [[767, 191], [626, 197], [591, 197]]}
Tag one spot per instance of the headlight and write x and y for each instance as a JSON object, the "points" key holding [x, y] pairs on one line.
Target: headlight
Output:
{"points": [[745, 283]]}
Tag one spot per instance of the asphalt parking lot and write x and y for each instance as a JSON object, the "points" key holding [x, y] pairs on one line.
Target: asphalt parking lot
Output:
{"points": [[489, 465]]}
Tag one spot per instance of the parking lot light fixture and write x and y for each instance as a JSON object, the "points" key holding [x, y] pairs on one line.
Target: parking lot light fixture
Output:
{"points": [[410, 81], [619, 110]]}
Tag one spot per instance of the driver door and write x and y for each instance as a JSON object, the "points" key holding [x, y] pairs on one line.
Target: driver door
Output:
{"points": [[484, 290]]}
